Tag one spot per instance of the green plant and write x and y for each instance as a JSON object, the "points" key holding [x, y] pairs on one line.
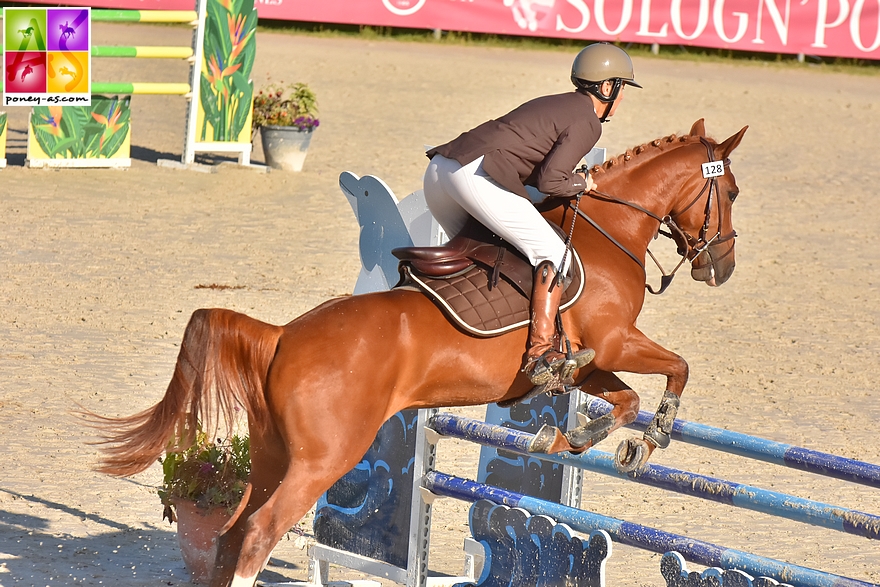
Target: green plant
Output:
{"points": [[96, 131], [299, 108], [225, 87], [212, 474]]}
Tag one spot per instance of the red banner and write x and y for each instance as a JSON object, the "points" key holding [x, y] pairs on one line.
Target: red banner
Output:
{"points": [[830, 28], [123, 4]]}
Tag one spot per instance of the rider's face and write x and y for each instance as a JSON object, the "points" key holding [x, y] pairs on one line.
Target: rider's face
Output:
{"points": [[606, 88], [617, 101]]}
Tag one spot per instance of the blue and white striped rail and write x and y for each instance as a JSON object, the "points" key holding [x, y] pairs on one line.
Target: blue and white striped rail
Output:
{"points": [[779, 453], [639, 536], [693, 484]]}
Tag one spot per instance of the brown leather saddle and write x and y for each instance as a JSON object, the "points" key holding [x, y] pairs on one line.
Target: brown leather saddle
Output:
{"points": [[482, 283]]}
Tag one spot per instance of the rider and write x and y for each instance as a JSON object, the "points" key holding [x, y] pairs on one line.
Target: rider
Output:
{"points": [[484, 173]]}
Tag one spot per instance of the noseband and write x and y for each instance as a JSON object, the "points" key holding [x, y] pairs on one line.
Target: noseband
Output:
{"points": [[689, 246]]}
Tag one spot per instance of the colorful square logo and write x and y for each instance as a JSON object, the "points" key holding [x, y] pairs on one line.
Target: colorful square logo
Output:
{"points": [[68, 29], [24, 29], [26, 72], [46, 56]]}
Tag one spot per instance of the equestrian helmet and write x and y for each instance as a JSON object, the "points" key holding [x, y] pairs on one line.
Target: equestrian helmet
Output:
{"points": [[599, 62]]}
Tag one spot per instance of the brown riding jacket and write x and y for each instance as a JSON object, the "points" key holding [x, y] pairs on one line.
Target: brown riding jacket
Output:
{"points": [[538, 144]]}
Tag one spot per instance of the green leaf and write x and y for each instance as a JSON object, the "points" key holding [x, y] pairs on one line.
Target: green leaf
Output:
{"points": [[249, 51], [67, 148], [244, 88], [208, 98], [113, 142], [217, 35]]}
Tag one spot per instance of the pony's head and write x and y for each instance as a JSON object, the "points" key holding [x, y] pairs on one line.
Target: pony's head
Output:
{"points": [[703, 225]]}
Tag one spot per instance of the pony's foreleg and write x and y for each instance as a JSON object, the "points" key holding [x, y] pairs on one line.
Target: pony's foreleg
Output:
{"points": [[610, 388], [638, 354]]}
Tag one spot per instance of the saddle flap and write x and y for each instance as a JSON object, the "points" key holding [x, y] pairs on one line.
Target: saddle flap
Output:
{"points": [[481, 282], [480, 302]]}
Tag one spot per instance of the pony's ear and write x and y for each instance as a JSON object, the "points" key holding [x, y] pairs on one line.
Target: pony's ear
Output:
{"points": [[726, 148], [698, 129]]}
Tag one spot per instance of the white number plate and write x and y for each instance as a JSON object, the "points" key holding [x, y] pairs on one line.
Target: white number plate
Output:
{"points": [[713, 169]]}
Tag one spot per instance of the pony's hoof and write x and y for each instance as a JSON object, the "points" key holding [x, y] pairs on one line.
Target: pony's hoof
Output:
{"points": [[631, 456], [544, 439], [549, 440], [591, 433]]}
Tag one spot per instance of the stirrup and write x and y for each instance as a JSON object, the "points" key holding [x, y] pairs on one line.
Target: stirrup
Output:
{"points": [[573, 362], [542, 369]]}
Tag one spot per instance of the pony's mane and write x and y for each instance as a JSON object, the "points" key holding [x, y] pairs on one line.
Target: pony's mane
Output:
{"points": [[655, 147]]}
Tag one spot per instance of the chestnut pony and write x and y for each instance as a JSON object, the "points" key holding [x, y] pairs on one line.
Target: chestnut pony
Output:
{"points": [[317, 390]]}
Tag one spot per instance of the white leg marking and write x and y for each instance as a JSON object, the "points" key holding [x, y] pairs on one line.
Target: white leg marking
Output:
{"points": [[243, 581]]}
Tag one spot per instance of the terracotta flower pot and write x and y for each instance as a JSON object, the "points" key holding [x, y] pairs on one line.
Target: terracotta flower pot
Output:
{"points": [[285, 147], [197, 532]]}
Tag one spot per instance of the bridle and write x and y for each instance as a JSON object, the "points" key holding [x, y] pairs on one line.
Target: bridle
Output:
{"points": [[698, 246], [689, 246]]}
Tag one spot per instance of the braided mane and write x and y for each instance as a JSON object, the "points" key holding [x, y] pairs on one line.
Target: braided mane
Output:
{"points": [[660, 144]]}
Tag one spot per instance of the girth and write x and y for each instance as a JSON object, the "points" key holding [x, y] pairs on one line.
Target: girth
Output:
{"points": [[481, 282]]}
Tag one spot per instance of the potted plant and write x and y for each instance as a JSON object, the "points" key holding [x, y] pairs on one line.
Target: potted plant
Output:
{"points": [[202, 487], [287, 117]]}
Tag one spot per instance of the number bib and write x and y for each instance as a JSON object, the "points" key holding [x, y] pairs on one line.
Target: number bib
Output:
{"points": [[713, 169]]}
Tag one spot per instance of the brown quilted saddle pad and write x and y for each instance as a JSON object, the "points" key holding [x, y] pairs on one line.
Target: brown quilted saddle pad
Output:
{"points": [[482, 287]]}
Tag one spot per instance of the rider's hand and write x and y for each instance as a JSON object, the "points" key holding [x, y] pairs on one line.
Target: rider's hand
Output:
{"points": [[591, 185]]}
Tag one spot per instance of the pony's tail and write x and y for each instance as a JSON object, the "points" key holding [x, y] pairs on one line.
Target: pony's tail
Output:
{"points": [[222, 367]]}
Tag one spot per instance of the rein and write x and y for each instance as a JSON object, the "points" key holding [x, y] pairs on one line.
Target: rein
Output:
{"points": [[695, 247]]}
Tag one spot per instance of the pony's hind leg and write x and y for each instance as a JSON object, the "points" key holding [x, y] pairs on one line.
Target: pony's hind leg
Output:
{"points": [[264, 528], [302, 485], [610, 388], [314, 461], [268, 466]]}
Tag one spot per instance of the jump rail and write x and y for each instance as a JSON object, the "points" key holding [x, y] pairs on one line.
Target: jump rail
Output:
{"points": [[684, 482], [786, 455], [639, 536], [148, 88], [166, 16], [142, 52], [190, 17]]}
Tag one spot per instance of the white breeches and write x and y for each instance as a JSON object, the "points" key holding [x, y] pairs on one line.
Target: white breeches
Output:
{"points": [[455, 192]]}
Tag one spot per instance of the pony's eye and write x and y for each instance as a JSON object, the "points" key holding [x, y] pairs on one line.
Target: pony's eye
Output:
{"points": [[732, 195]]}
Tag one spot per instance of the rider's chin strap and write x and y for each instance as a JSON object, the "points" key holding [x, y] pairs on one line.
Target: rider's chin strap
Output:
{"points": [[593, 90], [604, 118]]}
